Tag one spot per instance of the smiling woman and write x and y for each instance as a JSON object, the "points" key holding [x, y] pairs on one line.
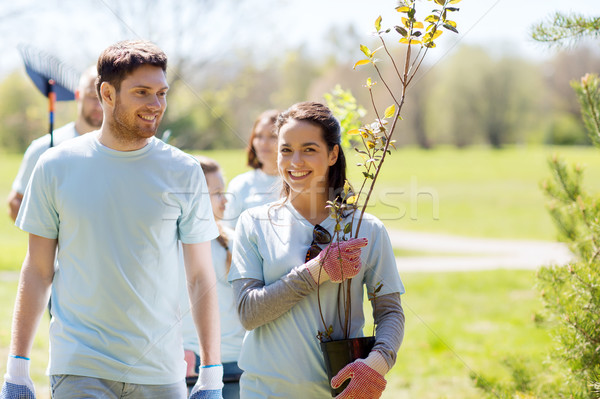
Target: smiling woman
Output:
{"points": [[280, 286]]}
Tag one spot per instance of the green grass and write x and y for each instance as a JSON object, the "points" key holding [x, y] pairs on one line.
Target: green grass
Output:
{"points": [[463, 323], [456, 324], [473, 192]]}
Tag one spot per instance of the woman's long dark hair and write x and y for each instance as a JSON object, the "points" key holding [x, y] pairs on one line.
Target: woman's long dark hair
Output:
{"points": [[321, 116]]}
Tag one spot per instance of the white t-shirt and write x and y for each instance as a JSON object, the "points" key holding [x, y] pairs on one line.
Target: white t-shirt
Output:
{"points": [[248, 190], [36, 149], [232, 331], [282, 358], [117, 217]]}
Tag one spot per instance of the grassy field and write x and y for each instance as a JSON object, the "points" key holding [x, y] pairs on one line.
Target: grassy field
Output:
{"points": [[473, 192], [457, 323]]}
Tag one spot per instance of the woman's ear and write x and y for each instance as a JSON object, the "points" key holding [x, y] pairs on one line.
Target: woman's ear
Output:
{"points": [[333, 155]]}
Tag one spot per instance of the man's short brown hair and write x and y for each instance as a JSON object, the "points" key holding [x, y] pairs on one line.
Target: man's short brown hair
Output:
{"points": [[122, 58]]}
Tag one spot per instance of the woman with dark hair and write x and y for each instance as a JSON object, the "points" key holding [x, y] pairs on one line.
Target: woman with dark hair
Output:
{"points": [[232, 332], [261, 184], [277, 256]]}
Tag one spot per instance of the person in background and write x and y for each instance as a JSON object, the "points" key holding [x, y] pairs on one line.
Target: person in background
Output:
{"points": [[277, 253], [232, 332], [261, 184], [105, 212], [89, 117]]}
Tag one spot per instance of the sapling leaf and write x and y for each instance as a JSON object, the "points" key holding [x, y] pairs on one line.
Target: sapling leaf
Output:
{"points": [[365, 50], [450, 27], [432, 18], [440, 2], [418, 25], [361, 62], [378, 23], [401, 30], [403, 9], [454, 1], [390, 111], [347, 187], [348, 226]]}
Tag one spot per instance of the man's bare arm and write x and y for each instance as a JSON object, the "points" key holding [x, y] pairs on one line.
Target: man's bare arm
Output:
{"points": [[33, 293], [202, 289]]}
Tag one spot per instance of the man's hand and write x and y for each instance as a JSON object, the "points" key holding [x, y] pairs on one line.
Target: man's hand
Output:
{"points": [[17, 383], [209, 384]]}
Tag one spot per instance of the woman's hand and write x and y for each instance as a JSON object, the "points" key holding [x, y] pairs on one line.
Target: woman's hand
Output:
{"points": [[366, 378], [340, 261]]}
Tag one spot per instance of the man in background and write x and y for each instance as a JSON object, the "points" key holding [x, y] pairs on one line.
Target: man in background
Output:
{"points": [[89, 117]]}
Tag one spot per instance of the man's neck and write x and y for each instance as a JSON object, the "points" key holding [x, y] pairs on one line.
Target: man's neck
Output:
{"points": [[108, 139]]}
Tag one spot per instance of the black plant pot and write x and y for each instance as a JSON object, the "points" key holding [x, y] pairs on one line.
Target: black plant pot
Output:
{"points": [[339, 353]]}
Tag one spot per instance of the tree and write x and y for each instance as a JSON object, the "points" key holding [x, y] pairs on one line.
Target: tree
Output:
{"points": [[566, 29], [571, 293]]}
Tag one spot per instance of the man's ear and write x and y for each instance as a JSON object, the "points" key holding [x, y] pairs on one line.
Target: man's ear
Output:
{"points": [[108, 93], [77, 94]]}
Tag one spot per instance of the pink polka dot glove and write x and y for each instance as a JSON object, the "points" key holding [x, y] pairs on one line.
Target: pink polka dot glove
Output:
{"points": [[349, 254], [364, 381]]}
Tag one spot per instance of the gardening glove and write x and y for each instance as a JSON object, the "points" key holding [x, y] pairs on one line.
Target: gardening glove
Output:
{"points": [[366, 378], [333, 269], [17, 383], [209, 384]]}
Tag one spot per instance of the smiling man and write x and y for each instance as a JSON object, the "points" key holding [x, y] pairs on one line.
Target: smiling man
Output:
{"points": [[115, 203]]}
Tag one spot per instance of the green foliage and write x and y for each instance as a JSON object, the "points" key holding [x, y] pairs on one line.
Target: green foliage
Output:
{"points": [[588, 94], [347, 110], [566, 129], [23, 112], [565, 29], [571, 293]]}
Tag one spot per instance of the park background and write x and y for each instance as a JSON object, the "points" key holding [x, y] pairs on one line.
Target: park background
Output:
{"points": [[488, 110]]}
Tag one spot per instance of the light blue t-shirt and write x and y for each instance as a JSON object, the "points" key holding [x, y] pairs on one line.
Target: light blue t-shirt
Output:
{"points": [[232, 331], [36, 149], [117, 216], [282, 358], [248, 190]]}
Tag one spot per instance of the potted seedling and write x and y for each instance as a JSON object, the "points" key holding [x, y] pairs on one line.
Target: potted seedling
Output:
{"points": [[372, 144]]}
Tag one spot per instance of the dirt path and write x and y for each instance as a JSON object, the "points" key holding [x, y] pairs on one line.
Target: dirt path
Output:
{"points": [[463, 253]]}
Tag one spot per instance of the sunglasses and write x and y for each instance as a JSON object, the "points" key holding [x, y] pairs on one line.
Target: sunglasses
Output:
{"points": [[320, 236]]}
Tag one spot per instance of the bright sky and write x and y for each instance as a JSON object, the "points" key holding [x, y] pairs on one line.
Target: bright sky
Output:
{"points": [[497, 24], [500, 25]]}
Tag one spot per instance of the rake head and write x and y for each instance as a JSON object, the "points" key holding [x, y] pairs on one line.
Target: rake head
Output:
{"points": [[46, 70]]}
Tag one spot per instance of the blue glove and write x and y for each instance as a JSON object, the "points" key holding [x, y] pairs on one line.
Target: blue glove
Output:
{"points": [[209, 384], [17, 383]]}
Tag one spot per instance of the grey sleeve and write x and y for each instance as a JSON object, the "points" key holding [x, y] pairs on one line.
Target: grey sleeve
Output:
{"points": [[389, 331], [258, 304]]}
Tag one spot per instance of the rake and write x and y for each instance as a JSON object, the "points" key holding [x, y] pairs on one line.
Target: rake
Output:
{"points": [[53, 79]]}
